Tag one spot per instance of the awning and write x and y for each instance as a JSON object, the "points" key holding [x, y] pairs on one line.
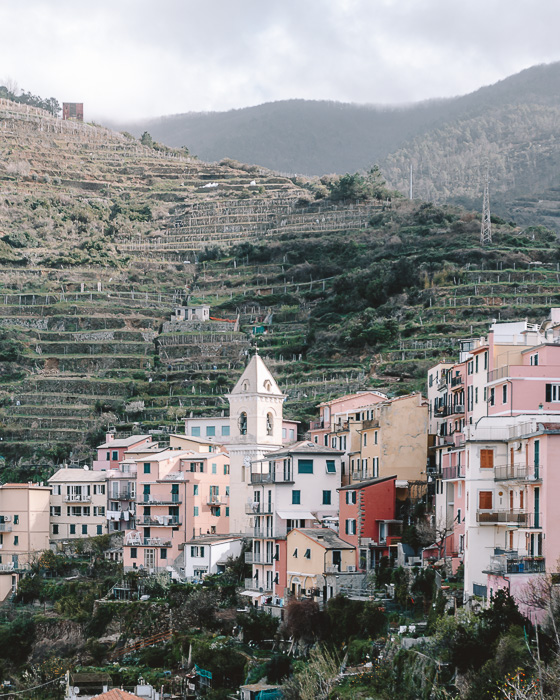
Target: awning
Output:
{"points": [[295, 515], [251, 594]]}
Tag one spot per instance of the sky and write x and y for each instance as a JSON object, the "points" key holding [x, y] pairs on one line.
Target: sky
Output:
{"points": [[133, 59]]}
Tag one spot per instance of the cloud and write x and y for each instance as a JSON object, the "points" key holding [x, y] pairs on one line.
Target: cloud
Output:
{"points": [[139, 58]]}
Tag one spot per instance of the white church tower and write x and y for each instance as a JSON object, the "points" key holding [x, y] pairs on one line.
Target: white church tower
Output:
{"points": [[255, 410]]}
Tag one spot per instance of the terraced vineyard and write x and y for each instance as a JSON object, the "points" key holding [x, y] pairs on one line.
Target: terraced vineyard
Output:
{"points": [[101, 238]]}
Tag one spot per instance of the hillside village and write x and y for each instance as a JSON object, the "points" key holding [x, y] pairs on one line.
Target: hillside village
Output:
{"points": [[245, 421]]}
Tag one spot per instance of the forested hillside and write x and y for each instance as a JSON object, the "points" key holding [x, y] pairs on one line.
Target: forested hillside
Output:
{"points": [[342, 284], [508, 129]]}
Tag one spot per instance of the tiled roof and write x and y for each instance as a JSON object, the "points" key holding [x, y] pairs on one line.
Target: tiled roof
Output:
{"points": [[324, 536], [116, 694], [124, 442], [367, 482], [75, 475], [304, 447]]}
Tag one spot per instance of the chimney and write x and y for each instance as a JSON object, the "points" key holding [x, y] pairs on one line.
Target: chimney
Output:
{"points": [[109, 437]]}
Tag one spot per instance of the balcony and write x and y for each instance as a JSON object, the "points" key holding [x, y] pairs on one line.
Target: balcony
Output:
{"points": [[457, 409], [122, 496], [267, 533], [373, 423], [217, 501], [77, 498], [152, 501], [118, 474], [257, 478], [316, 425], [134, 539], [456, 472], [258, 558], [258, 508], [5, 527], [498, 373], [517, 472], [511, 563], [252, 584], [456, 381], [519, 518], [159, 521]]}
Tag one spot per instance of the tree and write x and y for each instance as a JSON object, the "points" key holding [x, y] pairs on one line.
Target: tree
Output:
{"points": [[147, 140], [316, 679]]}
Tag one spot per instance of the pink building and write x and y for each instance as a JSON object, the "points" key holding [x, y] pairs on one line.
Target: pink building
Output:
{"points": [[113, 450], [180, 494]]}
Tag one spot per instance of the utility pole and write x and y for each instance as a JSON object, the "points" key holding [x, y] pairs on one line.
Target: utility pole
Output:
{"points": [[410, 183], [486, 227]]}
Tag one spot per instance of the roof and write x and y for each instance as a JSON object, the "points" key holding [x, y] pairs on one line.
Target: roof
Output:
{"points": [[72, 475], [124, 442], [199, 440], [142, 449], [24, 486], [365, 394], [215, 539], [304, 447], [168, 454], [365, 484], [258, 378], [116, 694], [324, 536]]}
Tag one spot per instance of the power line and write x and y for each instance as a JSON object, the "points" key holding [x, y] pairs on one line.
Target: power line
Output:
{"points": [[27, 690]]}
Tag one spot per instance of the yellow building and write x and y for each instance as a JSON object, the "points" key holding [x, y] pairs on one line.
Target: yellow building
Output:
{"points": [[24, 530], [393, 441], [311, 554]]}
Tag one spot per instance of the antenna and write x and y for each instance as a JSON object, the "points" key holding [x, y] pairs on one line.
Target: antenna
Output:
{"points": [[486, 227]]}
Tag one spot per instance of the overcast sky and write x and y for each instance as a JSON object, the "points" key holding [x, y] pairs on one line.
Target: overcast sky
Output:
{"points": [[129, 59]]}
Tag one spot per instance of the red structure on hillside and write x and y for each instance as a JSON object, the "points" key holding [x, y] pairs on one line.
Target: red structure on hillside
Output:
{"points": [[73, 111]]}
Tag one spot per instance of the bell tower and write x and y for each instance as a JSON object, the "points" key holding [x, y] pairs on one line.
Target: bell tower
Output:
{"points": [[255, 428]]}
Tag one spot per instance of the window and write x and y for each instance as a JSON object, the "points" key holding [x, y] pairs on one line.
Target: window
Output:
{"points": [[552, 393], [195, 431], [492, 396], [351, 497], [210, 430], [326, 498], [72, 529], [430, 380], [476, 393], [195, 490], [350, 528], [375, 467], [201, 467], [163, 553], [227, 511], [226, 468], [326, 440], [55, 511], [485, 500], [333, 443], [55, 529], [486, 459], [16, 540], [16, 519], [285, 433], [195, 511], [86, 511], [296, 497], [504, 393], [147, 468], [214, 468], [307, 554], [365, 439], [243, 423], [295, 554], [99, 510], [100, 529], [375, 438], [292, 434], [305, 466], [146, 493], [535, 359], [486, 360], [476, 364], [269, 424], [225, 430], [108, 456], [331, 466], [56, 490], [115, 455], [133, 553], [84, 529]]}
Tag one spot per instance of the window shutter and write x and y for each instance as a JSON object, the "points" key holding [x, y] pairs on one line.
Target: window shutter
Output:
{"points": [[485, 500], [548, 393]]}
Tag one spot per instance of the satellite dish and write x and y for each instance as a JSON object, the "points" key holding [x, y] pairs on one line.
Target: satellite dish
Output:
{"points": [[76, 690]]}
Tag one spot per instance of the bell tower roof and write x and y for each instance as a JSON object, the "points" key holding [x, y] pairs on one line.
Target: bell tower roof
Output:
{"points": [[257, 379]]}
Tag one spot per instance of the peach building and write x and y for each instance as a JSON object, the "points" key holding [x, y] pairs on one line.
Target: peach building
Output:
{"points": [[78, 504], [179, 494], [24, 530]]}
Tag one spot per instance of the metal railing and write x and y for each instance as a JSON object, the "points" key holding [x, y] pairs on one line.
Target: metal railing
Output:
{"points": [[77, 498], [456, 472], [258, 558], [520, 518], [217, 501], [267, 533], [258, 508], [252, 584], [517, 472], [5, 527], [160, 520]]}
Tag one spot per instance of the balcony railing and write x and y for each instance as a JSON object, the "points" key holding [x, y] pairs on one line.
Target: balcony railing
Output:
{"points": [[258, 508], [118, 474], [122, 496], [456, 472], [258, 558], [506, 564], [5, 527], [77, 498], [316, 425], [457, 408], [266, 478], [498, 373], [456, 381], [252, 584], [152, 501], [159, 520], [135, 540], [217, 501], [267, 533], [520, 518], [517, 472]]}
